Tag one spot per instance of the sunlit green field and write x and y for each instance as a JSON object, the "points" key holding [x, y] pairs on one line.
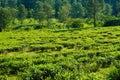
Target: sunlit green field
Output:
{"points": [[66, 54]]}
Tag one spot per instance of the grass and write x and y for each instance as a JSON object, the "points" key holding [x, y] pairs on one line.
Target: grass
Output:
{"points": [[88, 54]]}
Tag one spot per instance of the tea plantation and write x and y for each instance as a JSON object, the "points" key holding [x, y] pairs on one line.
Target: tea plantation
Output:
{"points": [[66, 54]]}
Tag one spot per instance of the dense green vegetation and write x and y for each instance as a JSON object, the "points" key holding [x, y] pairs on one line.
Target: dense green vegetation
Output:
{"points": [[59, 39], [89, 54], [96, 11]]}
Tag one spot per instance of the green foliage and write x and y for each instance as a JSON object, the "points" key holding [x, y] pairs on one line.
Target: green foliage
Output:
{"points": [[77, 23], [41, 47], [40, 72], [64, 12], [22, 14], [60, 54], [112, 23], [43, 11], [5, 18], [114, 74], [3, 77], [77, 10]]}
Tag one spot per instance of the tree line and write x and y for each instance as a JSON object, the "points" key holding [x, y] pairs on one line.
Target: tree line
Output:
{"points": [[60, 9]]}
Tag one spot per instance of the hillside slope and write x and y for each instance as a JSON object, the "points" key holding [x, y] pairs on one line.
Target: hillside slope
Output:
{"points": [[90, 54]]}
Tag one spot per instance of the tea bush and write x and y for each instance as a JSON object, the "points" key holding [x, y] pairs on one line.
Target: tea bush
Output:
{"points": [[67, 54], [114, 74]]}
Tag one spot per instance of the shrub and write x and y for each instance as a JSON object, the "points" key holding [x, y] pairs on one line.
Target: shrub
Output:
{"points": [[104, 61], [112, 23], [117, 64], [40, 26], [45, 48], [68, 45], [93, 67], [41, 72], [75, 24], [117, 56], [67, 75], [114, 74], [3, 77]]}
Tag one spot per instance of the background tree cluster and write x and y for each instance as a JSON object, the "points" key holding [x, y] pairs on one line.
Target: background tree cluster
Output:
{"points": [[61, 9]]}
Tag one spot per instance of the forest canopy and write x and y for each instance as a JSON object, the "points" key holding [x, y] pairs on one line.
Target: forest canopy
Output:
{"points": [[75, 8], [98, 11]]}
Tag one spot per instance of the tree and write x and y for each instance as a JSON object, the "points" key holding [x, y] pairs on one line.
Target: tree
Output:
{"points": [[118, 7], [58, 4], [4, 18], [22, 13], [39, 11], [12, 3], [14, 12], [77, 10], [48, 10], [108, 9], [28, 3], [64, 12], [43, 10], [30, 13], [3, 3], [93, 8]]}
